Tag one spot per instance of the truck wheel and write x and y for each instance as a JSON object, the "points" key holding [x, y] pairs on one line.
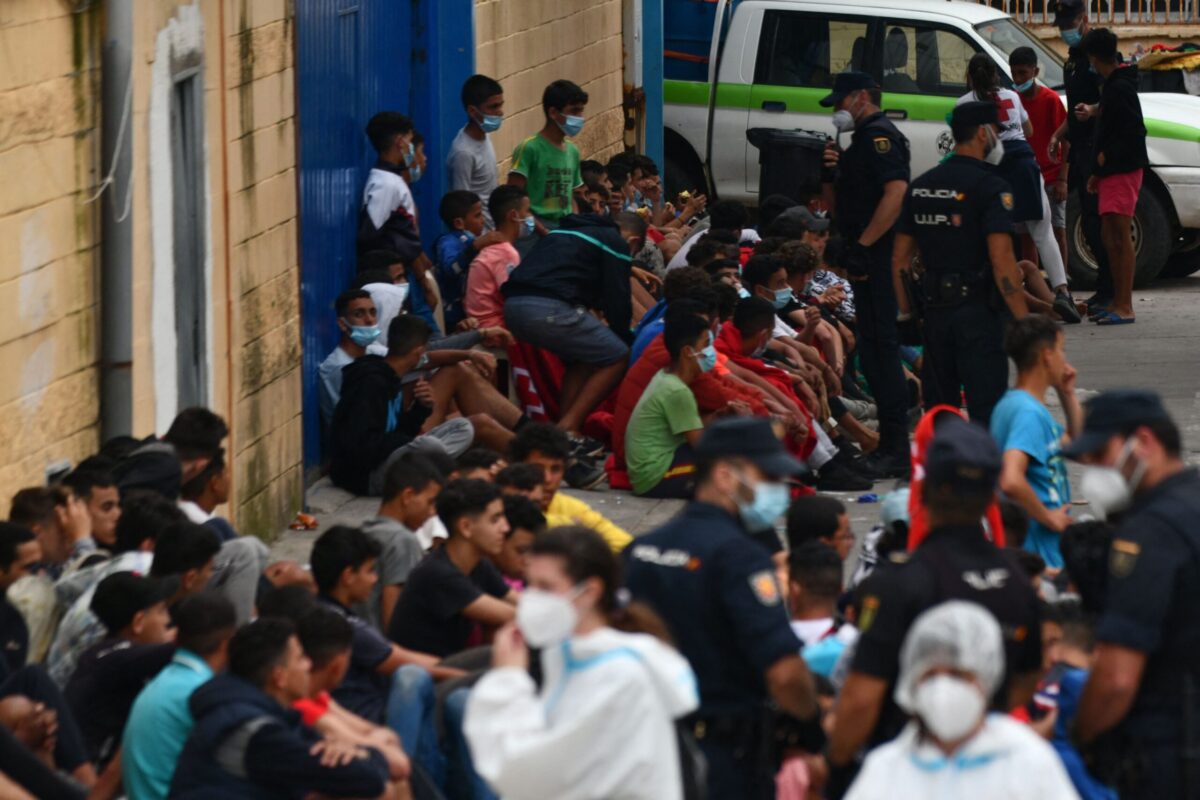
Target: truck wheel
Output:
{"points": [[1152, 241], [684, 174], [1186, 258]]}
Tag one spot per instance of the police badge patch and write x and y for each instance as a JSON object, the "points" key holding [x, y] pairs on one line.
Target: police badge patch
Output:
{"points": [[1007, 200], [1122, 558], [945, 142], [765, 587], [883, 145]]}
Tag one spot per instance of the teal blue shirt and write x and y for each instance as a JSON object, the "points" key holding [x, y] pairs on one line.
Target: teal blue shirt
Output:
{"points": [[1021, 422], [158, 726]]}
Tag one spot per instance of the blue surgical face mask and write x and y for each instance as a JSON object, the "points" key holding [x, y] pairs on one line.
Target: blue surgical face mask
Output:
{"points": [[742, 292], [570, 125], [1072, 36], [783, 297], [1022, 88], [411, 155], [528, 225], [414, 173], [363, 335], [769, 504], [490, 123], [707, 358]]}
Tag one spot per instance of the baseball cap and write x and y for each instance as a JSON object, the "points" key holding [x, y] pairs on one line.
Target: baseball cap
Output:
{"points": [[751, 438], [1115, 412], [845, 83], [1066, 11], [807, 218], [123, 594], [962, 456], [975, 113]]}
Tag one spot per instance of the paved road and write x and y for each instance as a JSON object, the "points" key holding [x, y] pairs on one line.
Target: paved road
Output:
{"points": [[1161, 351]]}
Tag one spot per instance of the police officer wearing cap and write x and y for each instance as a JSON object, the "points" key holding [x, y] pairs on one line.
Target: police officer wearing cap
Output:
{"points": [[954, 562], [717, 591], [1082, 85], [865, 187], [957, 216], [1140, 709]]}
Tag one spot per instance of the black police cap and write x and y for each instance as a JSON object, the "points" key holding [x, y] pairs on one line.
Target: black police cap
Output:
{"points": [[976, 112], [1115, 412], [751, 438], [1066, 12], [845, 83], [962, 456]]}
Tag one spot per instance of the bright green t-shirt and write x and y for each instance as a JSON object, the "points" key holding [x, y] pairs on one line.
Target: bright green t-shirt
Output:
{"points": [[666, 411], [550, 175]]}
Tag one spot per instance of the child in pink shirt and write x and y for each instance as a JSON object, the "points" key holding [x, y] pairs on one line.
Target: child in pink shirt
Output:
{"points": [[509, 209]]}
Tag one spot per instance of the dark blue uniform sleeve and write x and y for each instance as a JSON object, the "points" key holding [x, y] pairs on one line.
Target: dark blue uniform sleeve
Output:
{"points": [[1143, 572], [889, 157], [887, 611], [904, 224], [996, 216], [751, 596]]}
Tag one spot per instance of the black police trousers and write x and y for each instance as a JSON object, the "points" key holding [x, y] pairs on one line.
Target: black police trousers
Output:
{"points": [[879, 348], [964, 350], [1089, 220], [736, 772]]}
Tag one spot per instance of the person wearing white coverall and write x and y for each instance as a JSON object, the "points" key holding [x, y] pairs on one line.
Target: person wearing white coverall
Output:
{"points": [[951, 663], [603, 725]]}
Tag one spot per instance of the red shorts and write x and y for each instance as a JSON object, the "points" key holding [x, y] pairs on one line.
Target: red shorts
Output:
{"points": [[1119, 193]]}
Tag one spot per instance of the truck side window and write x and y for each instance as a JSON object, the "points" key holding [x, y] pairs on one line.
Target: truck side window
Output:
{"points": [[920, 59], [798, 49]]}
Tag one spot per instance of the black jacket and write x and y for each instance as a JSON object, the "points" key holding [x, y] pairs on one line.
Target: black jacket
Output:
{"points": [[370, 421], [1120, 131], [245, 745], [592, 272]]}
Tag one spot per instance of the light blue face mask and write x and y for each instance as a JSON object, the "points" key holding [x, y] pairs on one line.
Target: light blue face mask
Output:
{"points": [[1022, 88], [782, 297], [414, 173], [1072, 36], [363, 335], [742, 292], [491, 123], [411, 155], [571, 126], [528, 225], [770, 502]]}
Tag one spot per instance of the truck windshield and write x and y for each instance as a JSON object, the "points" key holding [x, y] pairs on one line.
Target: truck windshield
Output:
{"points": [[1006, 35]]}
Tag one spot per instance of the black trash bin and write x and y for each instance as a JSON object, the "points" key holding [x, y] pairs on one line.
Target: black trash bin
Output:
{"points": [[789, 162]]}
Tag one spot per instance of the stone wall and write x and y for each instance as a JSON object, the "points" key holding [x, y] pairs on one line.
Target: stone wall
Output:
{"points": [[527, 44], [49, 147]]}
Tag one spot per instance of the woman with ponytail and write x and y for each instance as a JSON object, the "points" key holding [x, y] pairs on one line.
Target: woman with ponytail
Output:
{"points": [[603, 723], [1018, 165]]}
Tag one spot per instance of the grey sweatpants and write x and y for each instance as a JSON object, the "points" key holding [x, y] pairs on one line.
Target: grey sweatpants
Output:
{"points": [[453, 437]]}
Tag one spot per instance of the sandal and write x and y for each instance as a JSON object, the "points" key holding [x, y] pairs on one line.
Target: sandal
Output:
{"points": [[1109, 318]]}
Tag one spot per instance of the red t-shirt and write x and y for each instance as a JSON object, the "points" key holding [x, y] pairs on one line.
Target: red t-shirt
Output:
{"points": [[1046, 113], [312, 708]]}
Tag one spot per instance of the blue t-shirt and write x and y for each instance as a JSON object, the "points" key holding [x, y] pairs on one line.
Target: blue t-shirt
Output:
{"points": [[648, 328], [1021, 422], [453, 254]]}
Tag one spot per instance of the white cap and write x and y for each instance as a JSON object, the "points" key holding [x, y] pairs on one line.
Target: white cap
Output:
{"points": [[957, 635]]}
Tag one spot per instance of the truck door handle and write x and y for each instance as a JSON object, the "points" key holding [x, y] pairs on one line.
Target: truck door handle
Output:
{"points": [[896, 113], [774, 106]]}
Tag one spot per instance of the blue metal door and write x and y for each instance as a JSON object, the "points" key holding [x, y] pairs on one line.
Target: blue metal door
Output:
{"points": [[354, 58]]}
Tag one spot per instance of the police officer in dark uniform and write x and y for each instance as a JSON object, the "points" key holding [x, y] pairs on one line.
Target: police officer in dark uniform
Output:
{"points": [[717, 591], [954, 562], [865, 187], [1140, 709], [1082, 85], [958, 217]]}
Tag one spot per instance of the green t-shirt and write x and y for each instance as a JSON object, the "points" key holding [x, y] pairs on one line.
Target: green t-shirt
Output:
{"points": [[666, 411], [550, 175]]}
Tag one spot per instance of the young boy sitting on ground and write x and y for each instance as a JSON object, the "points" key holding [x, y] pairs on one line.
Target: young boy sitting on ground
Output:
{"points": [[462, 214], [525, 523], [456, 587], [548, 447], [410, 487], [509, 207], [666, 424]]}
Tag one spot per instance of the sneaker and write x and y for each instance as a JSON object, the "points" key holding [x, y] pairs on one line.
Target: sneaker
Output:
{"points": [[849, 457], [890, 465], [861, 410], [584, 474], [585, 446], [1064, 306], [839, 478]]}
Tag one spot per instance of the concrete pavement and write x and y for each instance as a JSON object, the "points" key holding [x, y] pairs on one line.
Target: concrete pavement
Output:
{"points": [[1161, 351]]}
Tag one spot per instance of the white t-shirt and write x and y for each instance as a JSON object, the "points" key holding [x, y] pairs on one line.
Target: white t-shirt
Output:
{"points": [[1013, 115], [811, 631], [384, 193]]}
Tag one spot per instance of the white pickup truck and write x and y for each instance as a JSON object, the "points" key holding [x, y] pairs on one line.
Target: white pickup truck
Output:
{"points": [[733, 65]]}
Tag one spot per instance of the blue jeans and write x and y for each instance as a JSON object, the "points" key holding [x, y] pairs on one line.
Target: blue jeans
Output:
{"points": [[410, 705], [462, 782]]}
